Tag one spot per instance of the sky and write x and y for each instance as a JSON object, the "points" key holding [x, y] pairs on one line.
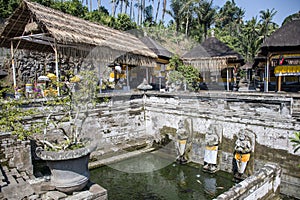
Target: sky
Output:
{"points": [[284, 8]]}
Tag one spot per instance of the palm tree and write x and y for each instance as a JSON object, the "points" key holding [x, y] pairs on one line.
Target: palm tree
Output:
{"points": [[266, 20], [175, 6], [226, 16], [187, 10], [206, 15], [239, 15], [250, 40]]}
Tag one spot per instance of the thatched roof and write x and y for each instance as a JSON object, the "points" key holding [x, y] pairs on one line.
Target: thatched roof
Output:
{"points": [[285, 38], [212, 54], [216, 48], [156, 48], [196, 53], [37, 26], [212, 48]]}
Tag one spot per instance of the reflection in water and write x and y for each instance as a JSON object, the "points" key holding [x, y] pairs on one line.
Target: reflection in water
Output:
{"points": [[174, 182]]}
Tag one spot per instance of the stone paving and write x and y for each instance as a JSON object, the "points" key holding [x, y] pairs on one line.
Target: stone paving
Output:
{"points": [[17, 185]]}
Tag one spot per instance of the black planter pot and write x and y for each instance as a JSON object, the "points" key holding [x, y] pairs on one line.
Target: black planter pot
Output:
{"points": [[69, 169]]}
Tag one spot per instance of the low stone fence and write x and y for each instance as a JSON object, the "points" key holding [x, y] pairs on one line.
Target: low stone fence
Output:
{"points": [[263, 184]]}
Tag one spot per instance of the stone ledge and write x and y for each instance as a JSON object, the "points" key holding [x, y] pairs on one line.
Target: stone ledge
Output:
{"points": [[263, 184]]}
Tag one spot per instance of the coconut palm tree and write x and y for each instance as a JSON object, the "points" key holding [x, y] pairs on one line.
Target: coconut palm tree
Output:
{"points": [[187, 10], [114, 6], [175, 13], [206, 14], [266, 20]]}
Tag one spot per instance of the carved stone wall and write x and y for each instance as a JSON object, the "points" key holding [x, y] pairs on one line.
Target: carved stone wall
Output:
{"points": [[269, 117]]}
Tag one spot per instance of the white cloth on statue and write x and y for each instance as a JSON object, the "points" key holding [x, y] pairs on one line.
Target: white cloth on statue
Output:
{"points": [[210, 156], [241, 166]]}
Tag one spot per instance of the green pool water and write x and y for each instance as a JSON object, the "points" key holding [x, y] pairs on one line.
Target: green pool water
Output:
{"points": [[151, 177]]}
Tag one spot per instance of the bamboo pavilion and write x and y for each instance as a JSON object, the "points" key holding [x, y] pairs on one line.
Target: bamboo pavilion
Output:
{"points": [[38, 28], [217, 63]]}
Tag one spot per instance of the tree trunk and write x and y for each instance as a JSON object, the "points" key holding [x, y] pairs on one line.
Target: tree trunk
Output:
{"points": [[152, 10], [121, 6], [99, 4], [126, 7], [113, 8], [164, 10], [157, 10], [187, 25], [131, 10], [142, 11], [139, 12]]}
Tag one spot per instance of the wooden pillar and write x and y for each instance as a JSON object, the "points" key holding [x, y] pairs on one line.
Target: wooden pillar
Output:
{"points": [[13, 67], [227, 78], [127, 78], [279, 83], [266, 89], [56, 69]]}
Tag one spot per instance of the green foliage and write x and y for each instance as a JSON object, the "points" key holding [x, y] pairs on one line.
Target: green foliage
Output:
{"points": [[296, 141], [122, 22], [183, 74], [99, 17], [13, 119], [73, 7], [7, 7]]}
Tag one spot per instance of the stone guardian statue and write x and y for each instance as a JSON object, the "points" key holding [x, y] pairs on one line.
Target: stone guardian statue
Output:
{"points": [[242, 152], [211, 150]]}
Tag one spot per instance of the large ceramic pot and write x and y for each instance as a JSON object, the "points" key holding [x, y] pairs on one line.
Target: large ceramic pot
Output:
{"points": [[69, 169]]}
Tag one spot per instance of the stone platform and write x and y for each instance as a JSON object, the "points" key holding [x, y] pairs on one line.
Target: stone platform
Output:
{"points": [[19, 185]]}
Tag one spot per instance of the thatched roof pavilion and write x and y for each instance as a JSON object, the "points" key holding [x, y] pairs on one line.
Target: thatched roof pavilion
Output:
{"points": [[281, 56], [212, 55], [39, 28], [285, 39]]}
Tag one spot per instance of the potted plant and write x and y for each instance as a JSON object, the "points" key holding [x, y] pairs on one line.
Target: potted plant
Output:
{"points": [[64, 147], [62, 143]]}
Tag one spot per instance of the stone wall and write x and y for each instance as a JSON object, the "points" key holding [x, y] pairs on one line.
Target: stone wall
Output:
{"points": [[263, 184], [128, 120], [269, 117], [15, 154]]}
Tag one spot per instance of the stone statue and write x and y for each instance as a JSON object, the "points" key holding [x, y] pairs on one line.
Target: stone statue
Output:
{"points": [[182, 136], [242, 152], [211, 149]]}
